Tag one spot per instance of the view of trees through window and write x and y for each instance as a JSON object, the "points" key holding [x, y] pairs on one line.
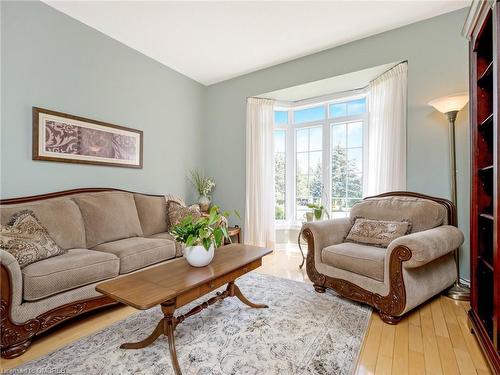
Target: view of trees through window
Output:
{"points": [[280, 173], [300, 151]]}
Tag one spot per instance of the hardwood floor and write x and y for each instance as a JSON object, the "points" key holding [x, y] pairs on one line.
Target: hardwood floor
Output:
{"points": [[433, 339]]}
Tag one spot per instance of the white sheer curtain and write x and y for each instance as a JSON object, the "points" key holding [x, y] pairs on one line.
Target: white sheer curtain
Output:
{"points": [[259, 207], [385, 169]]}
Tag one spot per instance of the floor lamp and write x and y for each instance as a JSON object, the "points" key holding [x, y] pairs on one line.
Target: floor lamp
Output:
{"points": [[450, 105]]}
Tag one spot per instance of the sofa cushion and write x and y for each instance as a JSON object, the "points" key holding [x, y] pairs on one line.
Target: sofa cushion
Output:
{"points": [[152, 213], [76, 268], [139, 252], [179, 247], [60, 216], [377, 232], [422, 213], [27, 239], [360, 259], [108, 216]]}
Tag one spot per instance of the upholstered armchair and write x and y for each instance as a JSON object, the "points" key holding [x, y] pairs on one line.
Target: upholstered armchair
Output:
{"points": [[393, 279]]}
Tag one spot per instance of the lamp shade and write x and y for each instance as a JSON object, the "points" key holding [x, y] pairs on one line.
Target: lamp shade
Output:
{"points": [[450, 103]]}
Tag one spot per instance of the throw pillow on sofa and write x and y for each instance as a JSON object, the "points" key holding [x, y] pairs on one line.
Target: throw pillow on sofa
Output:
{"points": [[178, 212], [377, 232], [27, 239]]}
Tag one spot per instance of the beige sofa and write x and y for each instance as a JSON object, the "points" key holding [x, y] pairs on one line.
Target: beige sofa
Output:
{"points": [[107, 233], [393, 280]]}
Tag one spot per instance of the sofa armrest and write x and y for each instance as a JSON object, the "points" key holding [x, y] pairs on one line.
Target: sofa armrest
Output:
{"points": [[328, 232], [12, 292], [429, 244]]}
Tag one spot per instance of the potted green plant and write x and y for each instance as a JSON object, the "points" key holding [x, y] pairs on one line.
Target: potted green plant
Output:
{"points": [[318, 210], [201, 236], [204, 186]]}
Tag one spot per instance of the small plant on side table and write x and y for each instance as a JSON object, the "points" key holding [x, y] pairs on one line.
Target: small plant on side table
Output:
{"points": [[204, 186]]}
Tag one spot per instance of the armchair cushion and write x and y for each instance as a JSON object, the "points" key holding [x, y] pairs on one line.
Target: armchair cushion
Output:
{"points": [[357, 258], [429, 245]]}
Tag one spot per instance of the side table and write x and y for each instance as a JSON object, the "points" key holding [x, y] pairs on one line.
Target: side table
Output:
{"points": [[234, 232]]}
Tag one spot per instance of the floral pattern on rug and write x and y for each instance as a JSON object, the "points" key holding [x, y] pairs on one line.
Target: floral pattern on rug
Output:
{"points": [[302, 332]]}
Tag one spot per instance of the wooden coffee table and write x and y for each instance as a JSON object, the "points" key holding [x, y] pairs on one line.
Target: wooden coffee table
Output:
{"points": [[176, 283]]}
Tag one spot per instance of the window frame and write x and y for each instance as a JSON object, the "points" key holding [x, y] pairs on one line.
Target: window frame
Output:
{"points": [[326, 124]]}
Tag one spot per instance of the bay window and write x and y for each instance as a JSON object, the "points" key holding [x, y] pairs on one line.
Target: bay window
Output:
{"points": [[318, 156]]}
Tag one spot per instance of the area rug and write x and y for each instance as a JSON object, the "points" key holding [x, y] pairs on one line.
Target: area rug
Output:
{"points": [[302, 332]]}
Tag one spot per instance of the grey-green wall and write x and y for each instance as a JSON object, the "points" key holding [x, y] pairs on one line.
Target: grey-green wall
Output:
{"points": [[437, 65], [52, 61]]}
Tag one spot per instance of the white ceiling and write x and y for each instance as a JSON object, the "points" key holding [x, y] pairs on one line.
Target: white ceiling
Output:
{"points": [[337, 84], [211, 41]]}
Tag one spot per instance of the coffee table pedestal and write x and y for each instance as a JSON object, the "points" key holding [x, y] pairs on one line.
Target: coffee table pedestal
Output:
{"points": [[167, 325]]}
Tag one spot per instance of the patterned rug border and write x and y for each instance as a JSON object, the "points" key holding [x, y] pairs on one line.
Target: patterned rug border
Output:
{"points": [[365, 323]]}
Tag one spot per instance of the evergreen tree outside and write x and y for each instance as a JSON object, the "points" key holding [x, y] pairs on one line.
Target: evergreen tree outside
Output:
{"points": [[347, 186], [280, 185]]}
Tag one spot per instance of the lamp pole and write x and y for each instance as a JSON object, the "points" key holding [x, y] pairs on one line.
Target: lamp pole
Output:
{"points": [[457, 291]]}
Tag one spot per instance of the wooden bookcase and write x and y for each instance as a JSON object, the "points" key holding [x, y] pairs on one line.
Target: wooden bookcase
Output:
{"points": [[484, 45]]}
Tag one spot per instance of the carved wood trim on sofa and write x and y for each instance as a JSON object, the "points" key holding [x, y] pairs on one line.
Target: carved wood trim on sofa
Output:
{"points": [[16, 337], [390, 306]]}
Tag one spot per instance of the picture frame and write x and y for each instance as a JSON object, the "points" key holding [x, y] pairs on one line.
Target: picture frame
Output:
{"points": [[62, 137]]}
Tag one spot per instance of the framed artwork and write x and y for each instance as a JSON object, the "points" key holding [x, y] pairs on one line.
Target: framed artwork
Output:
{"points": [[72, 139]]}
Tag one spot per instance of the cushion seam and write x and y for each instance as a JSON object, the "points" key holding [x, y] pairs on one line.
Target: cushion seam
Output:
{"points": [[144, 265], [349, 256], [135, 254]]}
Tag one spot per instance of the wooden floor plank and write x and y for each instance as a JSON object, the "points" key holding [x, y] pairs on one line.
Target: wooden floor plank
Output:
{"points": [[387, 340], [414, 318], [415, 338], [438, 319], [470, 341], [464, 360], [368, 359], [431, 351], [384, 365], [416, 363], [401, 359], [447, 355], [456, 335]]}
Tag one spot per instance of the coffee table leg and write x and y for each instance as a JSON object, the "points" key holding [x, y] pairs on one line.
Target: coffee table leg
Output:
{"points": [[168, 309], [147, 341], [234, 291]]}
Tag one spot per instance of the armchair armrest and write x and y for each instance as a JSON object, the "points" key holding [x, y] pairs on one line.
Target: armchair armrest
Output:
{"points": [[328, 232], [429, 244]]}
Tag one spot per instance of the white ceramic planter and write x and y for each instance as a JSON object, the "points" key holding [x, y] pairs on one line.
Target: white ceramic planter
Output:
{"points": [[204, 203], [198, 256]]}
